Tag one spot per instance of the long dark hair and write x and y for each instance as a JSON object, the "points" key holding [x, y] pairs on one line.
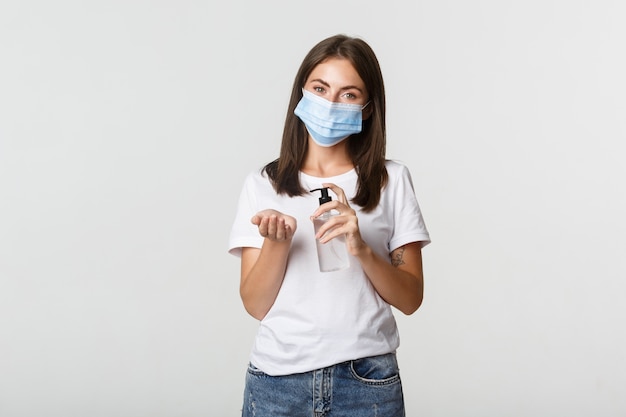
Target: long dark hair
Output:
{"points": [[366, 149]]}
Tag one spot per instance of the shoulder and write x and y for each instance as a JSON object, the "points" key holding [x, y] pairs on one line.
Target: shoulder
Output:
{"points": [[256, 182], [396, 169], [399, 180], [256, 177]]}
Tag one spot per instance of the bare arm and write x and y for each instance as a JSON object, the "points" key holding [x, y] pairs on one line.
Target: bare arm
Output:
{"points": [[263, 270], [401, 282]]}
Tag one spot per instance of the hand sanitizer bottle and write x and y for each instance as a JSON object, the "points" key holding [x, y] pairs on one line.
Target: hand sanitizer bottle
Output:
{"points": [[333, 255]]}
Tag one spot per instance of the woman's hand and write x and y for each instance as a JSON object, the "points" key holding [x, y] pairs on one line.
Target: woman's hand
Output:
{"points": [[263, 270], [274, 225], [345, 223], [398, 280]]}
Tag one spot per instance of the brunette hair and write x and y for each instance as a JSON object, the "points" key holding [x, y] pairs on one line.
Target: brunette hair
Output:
{"points": [[367, 148]]}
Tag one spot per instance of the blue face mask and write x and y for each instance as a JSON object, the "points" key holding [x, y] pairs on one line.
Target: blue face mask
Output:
{"points": [[328, 123]]}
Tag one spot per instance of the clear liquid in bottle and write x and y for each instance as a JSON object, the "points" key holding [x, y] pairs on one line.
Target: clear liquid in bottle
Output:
{"points": [[333, 255]]}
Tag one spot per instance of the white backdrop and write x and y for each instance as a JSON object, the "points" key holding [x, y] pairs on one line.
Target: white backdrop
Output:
{"points": [[127, 127]]}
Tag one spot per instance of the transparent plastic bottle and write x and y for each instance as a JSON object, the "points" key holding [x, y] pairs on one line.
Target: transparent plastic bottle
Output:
{"points": [[333, 255]]}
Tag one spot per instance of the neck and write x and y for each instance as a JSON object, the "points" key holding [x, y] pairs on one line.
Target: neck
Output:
{"points": [[327, 162]]}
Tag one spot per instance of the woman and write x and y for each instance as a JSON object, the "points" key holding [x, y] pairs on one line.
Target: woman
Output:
{"points": [[327, 340]]}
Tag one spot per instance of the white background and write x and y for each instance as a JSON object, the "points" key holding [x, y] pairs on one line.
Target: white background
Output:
{"points": [[127, 127]]}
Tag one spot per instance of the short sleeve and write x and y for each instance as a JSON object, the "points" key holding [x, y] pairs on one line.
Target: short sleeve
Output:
{"points": [[243, 233], [409, 225]]}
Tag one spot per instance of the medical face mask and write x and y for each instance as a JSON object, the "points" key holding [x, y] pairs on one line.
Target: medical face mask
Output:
{"points": [[328, 123]]}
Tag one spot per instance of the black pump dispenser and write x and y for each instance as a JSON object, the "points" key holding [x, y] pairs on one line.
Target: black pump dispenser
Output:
{"points": [[325, 198]]}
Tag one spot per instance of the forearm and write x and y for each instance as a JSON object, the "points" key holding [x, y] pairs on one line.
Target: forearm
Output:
{"points": [[398, 287], [261, 281]]}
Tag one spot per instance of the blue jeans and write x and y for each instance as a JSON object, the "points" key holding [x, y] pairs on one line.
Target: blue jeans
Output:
{"points": [[360, 388]]}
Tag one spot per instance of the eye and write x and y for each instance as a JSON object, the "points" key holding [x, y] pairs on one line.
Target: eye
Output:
{"points": [[319, 89], [349, 96]]}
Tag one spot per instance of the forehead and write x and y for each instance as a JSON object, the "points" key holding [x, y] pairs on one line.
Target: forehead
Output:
{"points": [[337, 72]]}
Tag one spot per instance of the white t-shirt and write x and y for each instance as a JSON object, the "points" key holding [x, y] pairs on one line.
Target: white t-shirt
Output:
{"points": [[324, 318]]}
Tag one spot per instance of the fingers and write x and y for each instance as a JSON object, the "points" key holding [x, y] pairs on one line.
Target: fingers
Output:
{"points": [[272, 227], [327, 233], [340, 204], [346, 223], [267, 226], [338, 226], [341, 195], [278, 229]]}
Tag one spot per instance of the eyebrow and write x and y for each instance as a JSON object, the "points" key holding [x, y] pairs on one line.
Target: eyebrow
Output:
{"points": [[347, 87]]}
